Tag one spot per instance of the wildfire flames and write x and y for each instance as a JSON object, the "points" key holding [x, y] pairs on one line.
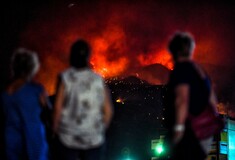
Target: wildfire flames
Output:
{"points": [[124, 37], [162, 57], [104, 60]]}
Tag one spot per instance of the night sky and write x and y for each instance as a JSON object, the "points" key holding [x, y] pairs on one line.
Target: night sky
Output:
{"points": [[126, 36]]}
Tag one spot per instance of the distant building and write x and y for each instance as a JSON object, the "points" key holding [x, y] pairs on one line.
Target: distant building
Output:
{"points": [[223, 146], [157, 147]]}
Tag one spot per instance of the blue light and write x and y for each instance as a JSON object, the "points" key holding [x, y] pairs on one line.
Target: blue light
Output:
{"points": [[223, 148], [231, 140]]}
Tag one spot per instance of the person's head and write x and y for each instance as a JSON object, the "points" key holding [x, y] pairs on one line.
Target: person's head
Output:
{"points": [[181, 45], [80, 54], [24, 64]]}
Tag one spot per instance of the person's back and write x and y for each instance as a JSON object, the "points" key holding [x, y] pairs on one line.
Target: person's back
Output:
{"points": [[83, 108], [81, 122]]}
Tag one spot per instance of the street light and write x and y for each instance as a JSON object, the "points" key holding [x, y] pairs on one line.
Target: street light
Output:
{"points": [[159, 149]]}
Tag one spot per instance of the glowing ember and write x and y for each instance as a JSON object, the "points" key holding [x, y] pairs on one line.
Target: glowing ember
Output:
{"points": [[222, 109], [119, 100]]}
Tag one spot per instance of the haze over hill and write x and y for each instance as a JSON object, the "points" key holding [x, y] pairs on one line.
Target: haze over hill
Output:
{"points": [[222, 78], [156, 74]]}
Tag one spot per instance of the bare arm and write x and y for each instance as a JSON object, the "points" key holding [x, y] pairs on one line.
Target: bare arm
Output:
{"points": [[108, 109], [46, 109], [58, 105], [181, 103], [44, 100], [181, 107], [213, 100]]}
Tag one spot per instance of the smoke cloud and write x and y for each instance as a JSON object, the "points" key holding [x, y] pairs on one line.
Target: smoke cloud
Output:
{"points": [[128, 35]]}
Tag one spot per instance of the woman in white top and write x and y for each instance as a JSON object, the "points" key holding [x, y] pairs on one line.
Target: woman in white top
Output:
{"points": [[83, 109]]}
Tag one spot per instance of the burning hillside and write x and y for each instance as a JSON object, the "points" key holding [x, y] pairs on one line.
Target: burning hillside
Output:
{"points": [[125, 36]]}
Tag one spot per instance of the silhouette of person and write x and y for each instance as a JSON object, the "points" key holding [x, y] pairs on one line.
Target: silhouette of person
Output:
{"points": [[22, 103], [83, 109], [189, 92]]}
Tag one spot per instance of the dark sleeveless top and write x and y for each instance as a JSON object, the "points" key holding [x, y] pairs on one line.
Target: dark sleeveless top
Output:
{"points": [[199, 89]]}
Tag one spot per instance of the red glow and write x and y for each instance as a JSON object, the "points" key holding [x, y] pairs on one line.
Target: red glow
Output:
{"points": [[125, 37], [101, 61], [162, 57]]}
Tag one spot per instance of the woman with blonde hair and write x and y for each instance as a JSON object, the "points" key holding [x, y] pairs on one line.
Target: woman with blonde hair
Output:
{"points": [[22, 103]]}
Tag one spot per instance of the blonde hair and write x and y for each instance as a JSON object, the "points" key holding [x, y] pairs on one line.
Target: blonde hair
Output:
{"points": [[24, 63]]}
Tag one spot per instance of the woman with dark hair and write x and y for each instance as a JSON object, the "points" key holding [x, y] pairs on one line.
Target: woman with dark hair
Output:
{"points": [[82, 108], [189, 92], [22, 104]]}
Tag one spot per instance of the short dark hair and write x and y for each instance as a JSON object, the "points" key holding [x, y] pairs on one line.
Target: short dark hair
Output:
{"points": [[181, 44], [24, 63], [80, 54]]}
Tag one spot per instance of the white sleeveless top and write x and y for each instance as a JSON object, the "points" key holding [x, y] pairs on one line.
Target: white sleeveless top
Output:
{"points": [[81, 125]]}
